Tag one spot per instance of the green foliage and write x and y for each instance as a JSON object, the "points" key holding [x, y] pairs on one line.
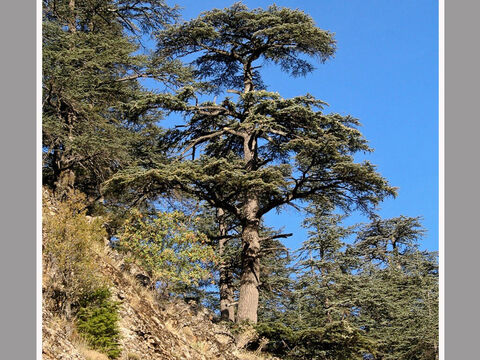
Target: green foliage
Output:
{"points": [[281, 337], [276, 35], [169, 248], [97, 321], [337, 340], [261, 151], [246, 156], [72, 245], [92, 124], [377, 297], [399, 308]]}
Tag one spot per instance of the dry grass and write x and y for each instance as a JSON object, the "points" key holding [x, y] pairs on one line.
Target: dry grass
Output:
{"points": [[83, 348], [81, 345], [247, 355], [131, 356], [201, 347], [94, 355]]}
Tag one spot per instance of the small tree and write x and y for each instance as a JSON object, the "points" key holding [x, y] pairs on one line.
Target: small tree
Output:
{"points": [[169, 248], [71, 246], [262, 151]]}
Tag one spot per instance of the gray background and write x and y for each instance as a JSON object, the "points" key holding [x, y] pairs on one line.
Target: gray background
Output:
{"points": [[17, 180], [18, 176], [462, 137]]}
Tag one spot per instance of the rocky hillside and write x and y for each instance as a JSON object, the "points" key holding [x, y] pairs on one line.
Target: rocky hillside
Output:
{"points": [[150, 328]]}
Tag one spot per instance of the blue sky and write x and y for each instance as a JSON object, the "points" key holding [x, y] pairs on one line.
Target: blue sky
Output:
{"points": [[385, 73]]}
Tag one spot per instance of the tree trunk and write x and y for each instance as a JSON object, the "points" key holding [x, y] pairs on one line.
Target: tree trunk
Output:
{"points": [[72, 20], [64, 178], [227, 311], [250, 278]]}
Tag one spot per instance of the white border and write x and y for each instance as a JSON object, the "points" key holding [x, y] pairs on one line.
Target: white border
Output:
{"points": [[39, 179], [441, 173]]}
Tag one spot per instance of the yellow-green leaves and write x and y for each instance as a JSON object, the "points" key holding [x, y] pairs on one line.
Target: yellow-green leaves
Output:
{"points": [[168, 246]]}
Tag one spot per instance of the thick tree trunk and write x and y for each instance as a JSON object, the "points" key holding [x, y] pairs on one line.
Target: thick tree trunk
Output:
{"points": [[227, 310], [250, 278]]}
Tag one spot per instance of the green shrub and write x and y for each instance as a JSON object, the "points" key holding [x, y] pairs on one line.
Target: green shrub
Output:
{"points": [[337, 340], [169, 247], [97, 321]]}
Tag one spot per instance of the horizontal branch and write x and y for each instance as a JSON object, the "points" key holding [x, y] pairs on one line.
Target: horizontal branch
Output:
{"points": [[200, 140], [279, 236]]}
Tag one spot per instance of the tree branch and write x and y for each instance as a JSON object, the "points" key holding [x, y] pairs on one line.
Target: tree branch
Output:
{"points": [[279, 236]]}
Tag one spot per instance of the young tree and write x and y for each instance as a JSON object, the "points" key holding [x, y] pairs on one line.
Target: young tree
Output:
{"points": [[322, 274], [262, 151]]}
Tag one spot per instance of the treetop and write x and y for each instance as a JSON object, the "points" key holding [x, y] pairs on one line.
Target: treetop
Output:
{"points": [[230, 40]]}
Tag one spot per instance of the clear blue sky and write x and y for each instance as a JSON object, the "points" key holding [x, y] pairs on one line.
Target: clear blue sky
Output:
{"points": [[385, 73]]}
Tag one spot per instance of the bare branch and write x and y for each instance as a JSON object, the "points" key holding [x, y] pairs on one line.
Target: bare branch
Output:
{"points": [[231, 91], [200, 140], [279, 236]]}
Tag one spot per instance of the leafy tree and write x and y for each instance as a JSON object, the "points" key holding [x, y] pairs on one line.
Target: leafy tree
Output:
{"points": [[71, 244], [168, 246], [262, 151]]}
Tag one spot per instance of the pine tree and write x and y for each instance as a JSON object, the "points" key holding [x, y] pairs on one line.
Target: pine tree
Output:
{"points": [[91, 126], [324, 292], [397, 289], [262, 151], [322, 273]]}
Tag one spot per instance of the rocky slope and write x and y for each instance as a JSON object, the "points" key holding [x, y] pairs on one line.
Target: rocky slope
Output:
{"points": [[150, 328]]}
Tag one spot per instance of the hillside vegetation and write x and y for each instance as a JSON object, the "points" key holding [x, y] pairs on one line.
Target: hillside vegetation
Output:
{"points": [[96, 305]]}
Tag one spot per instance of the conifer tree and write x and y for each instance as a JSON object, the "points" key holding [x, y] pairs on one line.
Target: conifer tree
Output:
{"points": [[261, 151], [323, 275], [397, 289], [325, 291], [224, 232], [91, 127]]}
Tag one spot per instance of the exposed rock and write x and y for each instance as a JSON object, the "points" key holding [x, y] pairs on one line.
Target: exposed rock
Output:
{"points": [[150, 328]]}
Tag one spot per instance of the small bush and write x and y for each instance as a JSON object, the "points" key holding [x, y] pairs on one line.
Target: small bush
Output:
{"points": [[71, 242], [97, 321]]}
